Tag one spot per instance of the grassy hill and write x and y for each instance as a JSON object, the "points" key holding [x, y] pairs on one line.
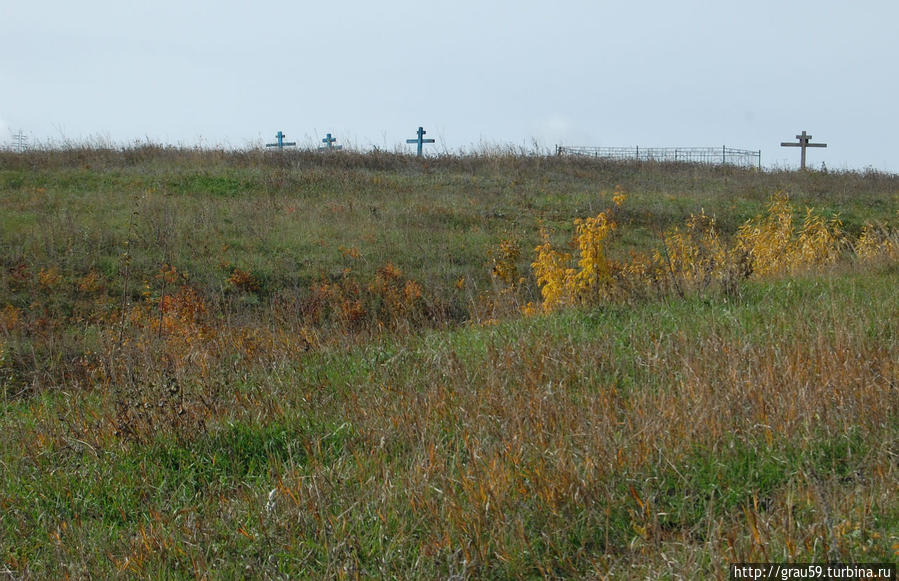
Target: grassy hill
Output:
{"points": [[302, 364]]}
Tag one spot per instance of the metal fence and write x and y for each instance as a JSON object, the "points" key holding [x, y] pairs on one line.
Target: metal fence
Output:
{"points": [[705, 155]]}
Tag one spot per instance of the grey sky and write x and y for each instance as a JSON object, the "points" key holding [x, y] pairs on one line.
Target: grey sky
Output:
{"points": [[651, 73]]}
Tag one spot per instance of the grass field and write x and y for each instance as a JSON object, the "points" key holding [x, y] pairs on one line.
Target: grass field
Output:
{"points": [[247, 364]]}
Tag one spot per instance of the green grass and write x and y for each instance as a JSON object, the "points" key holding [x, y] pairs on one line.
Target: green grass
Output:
{"points": [[287, 217], [667, 436]]}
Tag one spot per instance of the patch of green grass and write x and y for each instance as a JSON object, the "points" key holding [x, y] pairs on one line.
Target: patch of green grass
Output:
{"points": [[708, 484], [205, 184], [245, 452]]}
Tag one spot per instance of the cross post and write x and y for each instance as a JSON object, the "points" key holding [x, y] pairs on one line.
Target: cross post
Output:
{"points": [[281, 144], [420, 139], [329, 143], [804, 141]]}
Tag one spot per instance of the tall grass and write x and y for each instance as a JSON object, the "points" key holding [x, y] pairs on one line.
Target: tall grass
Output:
{"points": [[241, 364]]}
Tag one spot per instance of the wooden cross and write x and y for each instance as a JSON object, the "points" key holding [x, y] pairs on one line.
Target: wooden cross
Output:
{"points": [[420, 139], [281, 144], [329, 142], [804, 141]]}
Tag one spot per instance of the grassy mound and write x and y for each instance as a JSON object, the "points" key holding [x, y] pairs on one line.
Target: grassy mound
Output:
{"points": [[257, 365]]}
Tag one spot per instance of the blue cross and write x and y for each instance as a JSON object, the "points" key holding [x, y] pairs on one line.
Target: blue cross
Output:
{"points": [[420, 139], [281, 144], [329, 143]]}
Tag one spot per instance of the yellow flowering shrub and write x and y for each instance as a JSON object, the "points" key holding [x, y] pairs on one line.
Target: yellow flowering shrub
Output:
{"points": [[766, 238], [595, 271], [774, 247], [619, 197], [820, 241], [695, 256], [552, 273], [877, 241], [592, 280]]}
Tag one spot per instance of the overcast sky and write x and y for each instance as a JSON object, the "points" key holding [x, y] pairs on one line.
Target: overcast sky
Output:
{"points": [[472, 72]]}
